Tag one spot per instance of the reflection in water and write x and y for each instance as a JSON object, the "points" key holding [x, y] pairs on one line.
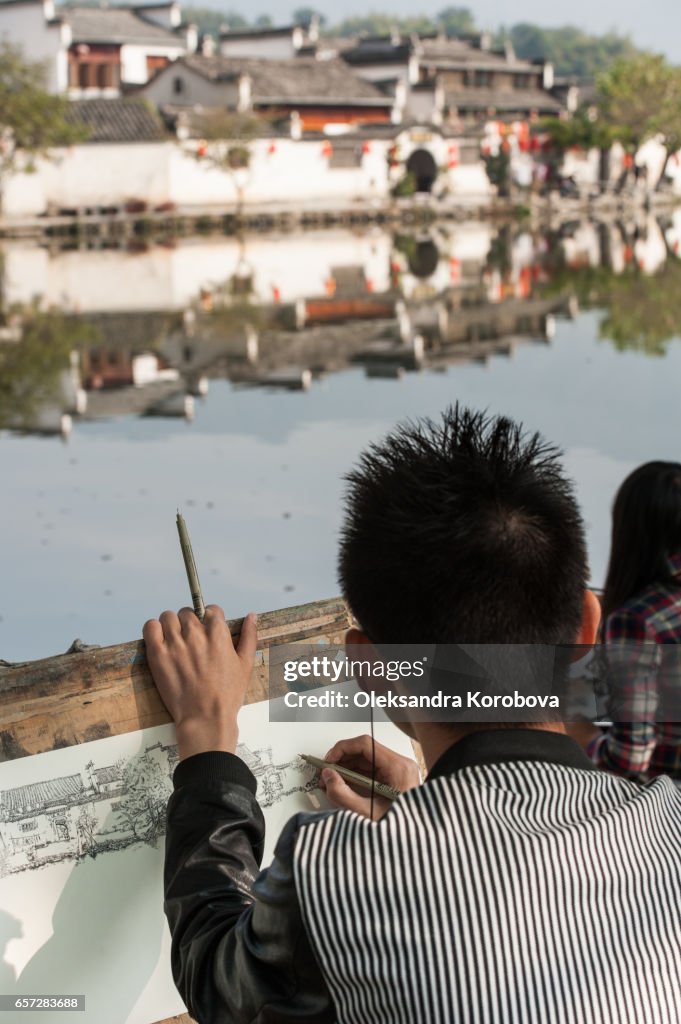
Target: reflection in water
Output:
{"points": [[143, 333], [293, 353]]}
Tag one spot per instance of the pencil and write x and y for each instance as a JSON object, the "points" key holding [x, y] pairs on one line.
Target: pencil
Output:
{"points": [[379, 788], [190, 566]]}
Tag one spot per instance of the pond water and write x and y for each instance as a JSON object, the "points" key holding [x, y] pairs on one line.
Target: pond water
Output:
{"points": [[237, 380]]}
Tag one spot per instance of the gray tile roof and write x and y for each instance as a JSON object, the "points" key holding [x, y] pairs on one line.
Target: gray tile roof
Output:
{"points": [[441, 52], [301, 79], [502, 99], [114, 25], [117, 120], [37, 796]]}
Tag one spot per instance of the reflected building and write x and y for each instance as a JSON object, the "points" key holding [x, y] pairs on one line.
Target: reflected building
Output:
{"points": [[279, 312]]}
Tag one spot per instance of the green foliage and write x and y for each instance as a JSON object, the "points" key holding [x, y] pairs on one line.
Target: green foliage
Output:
{"points": [[572, 52], [498, 169], [406, 186], [583, 130], [456, 21], [30, 368], [211, 22], [641, 312], [644, 311], [31, 120], [304, 16], [452, 21], [629, 94]]}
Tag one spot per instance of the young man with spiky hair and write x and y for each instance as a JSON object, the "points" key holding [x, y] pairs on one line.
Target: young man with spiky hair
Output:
{"points": [[517, 884]]}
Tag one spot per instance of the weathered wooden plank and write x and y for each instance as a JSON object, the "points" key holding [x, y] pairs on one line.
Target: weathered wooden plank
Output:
{"points": [[75, 698]]}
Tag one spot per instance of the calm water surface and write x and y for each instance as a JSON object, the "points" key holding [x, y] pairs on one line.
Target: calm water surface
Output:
{"points": [[88, 545]]}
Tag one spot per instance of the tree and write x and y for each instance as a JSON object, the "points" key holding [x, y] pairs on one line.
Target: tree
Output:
{"points": [[225, 143], [212, 22], [640, 98], [667, 120], [30, 368], [304, 16], [143, 807], [573, 53], [263, 21], [456, 21], [31, 120]]}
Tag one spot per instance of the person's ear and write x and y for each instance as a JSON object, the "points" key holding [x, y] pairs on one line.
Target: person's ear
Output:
{"points": [[591, 620]]}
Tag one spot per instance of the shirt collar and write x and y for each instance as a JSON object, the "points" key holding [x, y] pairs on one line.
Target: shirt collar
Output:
{"points": [[498, 746]]}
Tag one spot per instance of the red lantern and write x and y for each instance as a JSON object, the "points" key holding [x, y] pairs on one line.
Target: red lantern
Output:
{"points": [[366, 148], [327, 149], [272, 148], [202, 148], [276, 293]]}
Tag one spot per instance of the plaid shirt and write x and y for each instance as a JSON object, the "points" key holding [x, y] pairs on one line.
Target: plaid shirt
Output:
{"points": [[636, 744]]}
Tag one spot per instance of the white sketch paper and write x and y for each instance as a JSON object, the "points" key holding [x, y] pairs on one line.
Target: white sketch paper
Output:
{"points": [[81, 860]]}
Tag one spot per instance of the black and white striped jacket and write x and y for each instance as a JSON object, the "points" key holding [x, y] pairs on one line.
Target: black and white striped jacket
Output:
{"points": [[518, 884]]}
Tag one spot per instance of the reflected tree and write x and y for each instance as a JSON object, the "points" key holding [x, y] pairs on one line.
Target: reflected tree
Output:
{"points": [[644, 311], [35, 349], [641, 312]]}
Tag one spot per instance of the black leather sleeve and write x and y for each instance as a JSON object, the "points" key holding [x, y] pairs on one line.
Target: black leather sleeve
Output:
{"points": [[240, 952]]}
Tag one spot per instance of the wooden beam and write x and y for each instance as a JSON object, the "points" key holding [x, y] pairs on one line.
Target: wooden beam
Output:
{"points": [[104, 691]]}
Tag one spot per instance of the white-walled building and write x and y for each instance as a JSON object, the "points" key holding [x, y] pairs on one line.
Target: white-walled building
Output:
{"points": [[95, 51], [281, 43], [320, 93]]}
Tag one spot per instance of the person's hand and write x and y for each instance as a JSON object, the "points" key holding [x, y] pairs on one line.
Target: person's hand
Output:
{"points": [[399, 772], [201, 678]]}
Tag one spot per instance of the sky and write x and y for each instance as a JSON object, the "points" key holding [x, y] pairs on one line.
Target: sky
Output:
{"points": [[654, 25]]}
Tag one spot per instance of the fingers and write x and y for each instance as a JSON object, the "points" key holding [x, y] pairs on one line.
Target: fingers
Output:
{"points": [[248, 641], [170, 623], [340, 794], [152, 632], [188, 620], [355, 746]]}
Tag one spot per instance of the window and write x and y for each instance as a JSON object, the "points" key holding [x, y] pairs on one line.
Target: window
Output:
{"points": [[522, 81], [178, 86], [104, 76], [483, 78], [28, 826]]}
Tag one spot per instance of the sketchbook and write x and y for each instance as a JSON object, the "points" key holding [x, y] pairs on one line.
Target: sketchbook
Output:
{"points": [[81, 860]]}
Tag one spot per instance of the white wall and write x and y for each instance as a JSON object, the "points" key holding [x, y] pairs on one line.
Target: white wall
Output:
{"points": [[292, 172], [197, 89], [134, 60], [267, 47], [25, 25], [284, 269], [282, 171]]}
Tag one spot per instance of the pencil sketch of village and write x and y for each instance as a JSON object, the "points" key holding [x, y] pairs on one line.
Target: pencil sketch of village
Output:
{"points": [[104, 808]]}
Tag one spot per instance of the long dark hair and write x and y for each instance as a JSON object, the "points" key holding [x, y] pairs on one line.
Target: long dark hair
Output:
{"points": [[646, 530]]}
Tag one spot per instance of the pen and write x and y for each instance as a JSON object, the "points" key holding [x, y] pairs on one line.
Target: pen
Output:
{"points": [[380, 788], [190, 566]]}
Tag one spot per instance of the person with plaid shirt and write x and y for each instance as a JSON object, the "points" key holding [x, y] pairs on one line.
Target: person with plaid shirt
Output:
{"points": [[639, 672]]}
